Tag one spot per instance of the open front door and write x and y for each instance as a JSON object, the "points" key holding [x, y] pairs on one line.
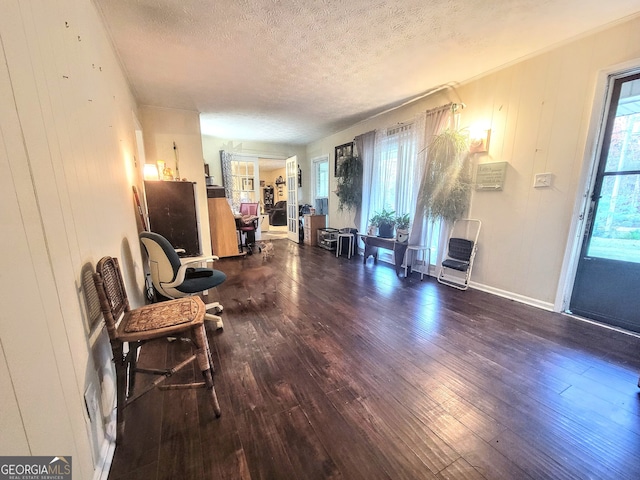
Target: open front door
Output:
{"points": [[606, 282], [291, 169]]}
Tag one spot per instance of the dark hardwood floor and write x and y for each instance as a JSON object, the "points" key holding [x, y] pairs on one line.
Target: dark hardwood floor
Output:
{"points": [[350, 372]]}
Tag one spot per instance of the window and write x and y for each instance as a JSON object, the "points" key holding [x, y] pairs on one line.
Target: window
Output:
{"points": [[616, 229], [393, 186], [244, 177], [321, 184]]}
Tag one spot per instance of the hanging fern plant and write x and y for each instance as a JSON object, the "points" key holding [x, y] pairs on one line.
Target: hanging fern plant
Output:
{"points": [[446, 184], [349, 190]]}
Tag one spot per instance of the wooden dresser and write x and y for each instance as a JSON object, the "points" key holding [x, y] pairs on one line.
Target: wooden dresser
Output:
{"points": [[224, 240], [311, 224]]}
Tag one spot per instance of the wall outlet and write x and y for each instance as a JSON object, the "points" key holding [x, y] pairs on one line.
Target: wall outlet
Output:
{"points": [[542, 180]]}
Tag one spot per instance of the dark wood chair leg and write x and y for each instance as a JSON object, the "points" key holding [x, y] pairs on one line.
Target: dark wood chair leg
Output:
{"points": [[121, 388], [132, 362], [208, 378], [203, 355], [212, 365]]}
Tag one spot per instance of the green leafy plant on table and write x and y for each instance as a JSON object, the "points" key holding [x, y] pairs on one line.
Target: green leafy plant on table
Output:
{"points": [[403, 222], [386, 220]]}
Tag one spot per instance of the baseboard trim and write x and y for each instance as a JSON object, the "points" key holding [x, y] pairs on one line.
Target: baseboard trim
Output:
{"points": [[107, 450], [548, 306], [513, 296], [433, 272], [104, 463], [601, 324]]}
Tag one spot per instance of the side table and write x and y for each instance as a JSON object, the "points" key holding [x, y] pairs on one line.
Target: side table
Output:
{"points": [[421, 255], [342, 235]]}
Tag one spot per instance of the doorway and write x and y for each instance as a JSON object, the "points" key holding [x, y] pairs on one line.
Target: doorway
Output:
{"points": [[273, 219], [605, 287], [293, 215]]}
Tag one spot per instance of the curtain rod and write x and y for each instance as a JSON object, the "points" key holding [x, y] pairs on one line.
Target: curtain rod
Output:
{"points": [[408, 102], [453, 106]]}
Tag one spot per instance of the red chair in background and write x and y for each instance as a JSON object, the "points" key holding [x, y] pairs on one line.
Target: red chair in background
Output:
{"points": [[247, 225]]}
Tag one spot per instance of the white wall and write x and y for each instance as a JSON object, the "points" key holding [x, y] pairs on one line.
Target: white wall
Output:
{"points": [[539, 112], [67, 161], [161, 128]]}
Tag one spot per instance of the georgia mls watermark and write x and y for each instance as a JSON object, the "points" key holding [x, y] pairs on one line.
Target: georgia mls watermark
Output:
{"points": [[35, 468]]}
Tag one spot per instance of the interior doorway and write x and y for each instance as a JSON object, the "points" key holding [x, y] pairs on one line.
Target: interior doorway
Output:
{"points": [[293, 217], [605, 286], [273, 222]]}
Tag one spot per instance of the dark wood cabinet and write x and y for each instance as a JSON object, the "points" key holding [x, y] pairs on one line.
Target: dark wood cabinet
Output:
{"points": [[267, 198], [173, 214]]}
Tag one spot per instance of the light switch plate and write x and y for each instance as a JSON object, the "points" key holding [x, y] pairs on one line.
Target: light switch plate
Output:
{"points": [[542, 180]]}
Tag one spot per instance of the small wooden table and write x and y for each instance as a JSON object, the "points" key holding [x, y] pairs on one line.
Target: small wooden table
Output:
{"points": [[372, 243]]}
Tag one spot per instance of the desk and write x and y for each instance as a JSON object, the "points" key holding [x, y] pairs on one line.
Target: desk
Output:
{"points": [[264, 223], [372, 243]]}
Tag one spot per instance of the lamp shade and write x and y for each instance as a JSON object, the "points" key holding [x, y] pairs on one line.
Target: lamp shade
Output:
{"points": [[151, 171]]}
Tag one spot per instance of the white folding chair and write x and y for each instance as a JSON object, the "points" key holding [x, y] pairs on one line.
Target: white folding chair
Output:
{"points": [[462, 246]]}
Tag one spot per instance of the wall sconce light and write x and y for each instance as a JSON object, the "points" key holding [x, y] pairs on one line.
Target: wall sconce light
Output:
{"points": [[479, 141], [151, 171]]}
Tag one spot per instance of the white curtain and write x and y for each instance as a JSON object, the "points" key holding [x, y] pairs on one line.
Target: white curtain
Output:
{"points": [[427, 231], [393, 169], [392, 172], [365, 148], [230, 192], [227, 176]]}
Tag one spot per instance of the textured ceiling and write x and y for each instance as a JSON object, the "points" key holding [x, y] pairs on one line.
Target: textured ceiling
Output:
{"points": [[293, 71]]}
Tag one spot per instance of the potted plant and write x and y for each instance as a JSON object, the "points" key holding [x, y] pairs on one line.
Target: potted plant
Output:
{"points": [[446, 184], [373, 224], [386, 222], [402, 228]]}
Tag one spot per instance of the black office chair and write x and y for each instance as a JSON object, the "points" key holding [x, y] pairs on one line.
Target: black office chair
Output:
{"points": [[174, 279]]}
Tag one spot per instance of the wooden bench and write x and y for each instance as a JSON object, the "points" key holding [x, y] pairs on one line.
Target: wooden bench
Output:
{"points": [[372, 243]]}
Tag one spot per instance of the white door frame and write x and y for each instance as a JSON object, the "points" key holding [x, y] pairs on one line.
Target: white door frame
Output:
{"points": [[291, 169], [600, 107]]}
